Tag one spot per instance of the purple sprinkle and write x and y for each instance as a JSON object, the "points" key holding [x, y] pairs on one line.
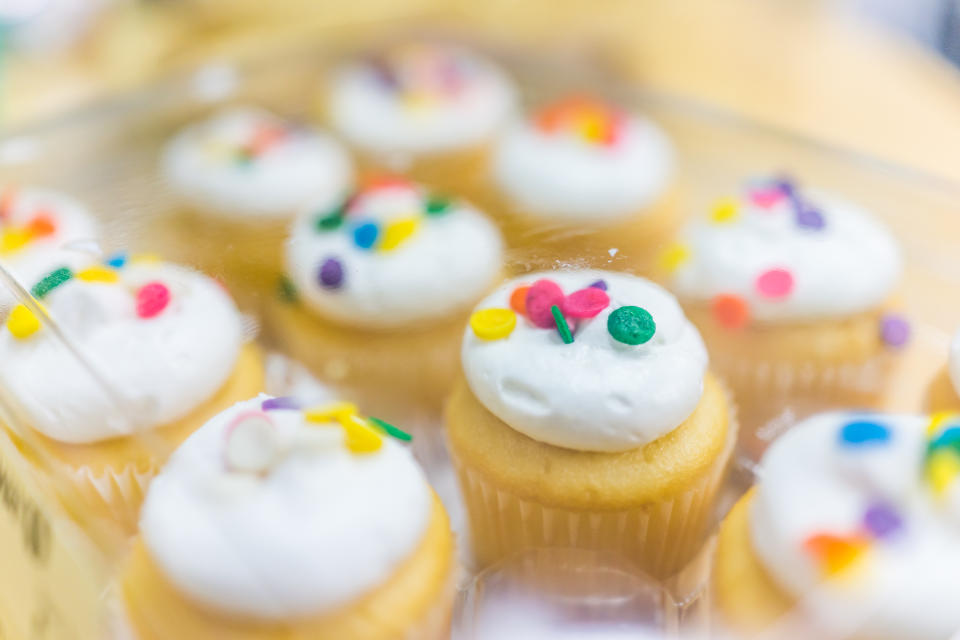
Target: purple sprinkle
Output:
{"points": [[599, 284], [784, 184], [894, 330], [331, 274], [882, 520], [272, 404], [809, 217]]}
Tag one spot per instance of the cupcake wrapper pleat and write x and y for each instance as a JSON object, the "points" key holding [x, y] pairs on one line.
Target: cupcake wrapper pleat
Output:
{"points": [[115, 493]]}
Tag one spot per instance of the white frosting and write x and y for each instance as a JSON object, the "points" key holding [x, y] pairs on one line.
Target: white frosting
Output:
{"points": [[413, 113], [953, 365], [596, 394], [160, 368], [561, 176], [905, 585], [444, 266], [850, 265], [73, 225], [322, 527], [301, 166], [47, 26]]}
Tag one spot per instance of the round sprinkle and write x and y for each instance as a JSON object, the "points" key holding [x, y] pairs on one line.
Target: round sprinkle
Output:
{"points": [[390, 430], [330, 274], [943, 467], [437, 205], [51, 282], [361, 437], [882, 520], [542, 295], [585, 303], [730, 311], [493, 324], [562, 327], [42, 225], [22, 323], [97, 273], [152, 299], [252, 443], [894, 330], [631, 325], [117, 260], [774, 283], [365, 235], [277, 404], [397, 232], [518, 299], [674, 257], [599, 284], [863, 432], [808, 217], [725, 211]]}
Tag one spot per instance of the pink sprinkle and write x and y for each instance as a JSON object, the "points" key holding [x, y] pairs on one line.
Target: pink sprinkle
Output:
{"points": [[775, 283], [585, 303], [152, 298], [542, 295], [766, 198]]}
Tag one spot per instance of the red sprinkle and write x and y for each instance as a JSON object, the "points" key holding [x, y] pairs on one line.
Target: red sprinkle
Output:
{"points": [[518, 299], [152, 299], [585, 303], [542, 295], [42, 225], [775, 283], [730, 311]]}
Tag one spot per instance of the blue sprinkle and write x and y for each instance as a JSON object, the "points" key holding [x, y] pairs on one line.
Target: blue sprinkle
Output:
{"points": [[117, 260], [950, 437], [365, 235], [863, 432], [599, 284]]}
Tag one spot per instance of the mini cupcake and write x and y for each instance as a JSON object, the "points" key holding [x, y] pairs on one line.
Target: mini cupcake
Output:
{"points": [[128, 359], [379, 290], [944, 394], [852, 532], [794, 294], [34, 225], [588, 418], [243, 174], [584, 182], [274, 522], [427, 110]]}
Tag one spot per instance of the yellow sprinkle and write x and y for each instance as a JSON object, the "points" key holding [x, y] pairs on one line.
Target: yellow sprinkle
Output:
{"points": [[725, 210], [674, 257], [361, 437], [493, 324], [942, 469], [14, 239], [145, 258], [593, 127], [938, 419], [22, 322], [338, 411], [97, 273], [398, 231]]}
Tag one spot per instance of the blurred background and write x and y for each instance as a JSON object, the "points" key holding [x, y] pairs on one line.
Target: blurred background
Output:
{"points": [[875, 76]]}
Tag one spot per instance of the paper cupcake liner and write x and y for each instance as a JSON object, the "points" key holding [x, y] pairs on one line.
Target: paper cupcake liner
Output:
{"points": [[117, 494], [661, 538]]}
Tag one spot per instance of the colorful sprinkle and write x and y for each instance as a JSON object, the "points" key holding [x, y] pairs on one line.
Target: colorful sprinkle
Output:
{"points": [[631, 325], [599, 284], [586, 303], [281, 403], [882, 520], [152, 299], [949, 438], [863, 432], [390, 430], [835, 553], [330, 222], [518, 299], [808, 217], [42, 225], [938, 419], [286, 289], [562, 327], [730, 311], [361, 437], [22, 322], [7, 197], [252, 443], [766, 198], [894, 330], [50, 282], [592, 120], [437, 206], [330, 274], [365, 235], [542, 295], [335, 412], [493, 324], [97, 273], [13, 240], [942, 468], [397, 232], [774, 283], [674, 257], [117, 260], [725, 211]]}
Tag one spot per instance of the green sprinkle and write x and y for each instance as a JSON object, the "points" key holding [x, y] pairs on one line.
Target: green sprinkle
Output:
{"points": [[286, 290], [391, 430], [562, 325], [437, 205], [631, 325], [51, 282], [333, 220]]}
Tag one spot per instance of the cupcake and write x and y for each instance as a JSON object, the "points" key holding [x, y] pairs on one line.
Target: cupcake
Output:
{"points": [[587, 417], [794, 294], [379, 289], [243, 174], [275, 522], [35, 224], [852, 532], [430, 111], [127, 360], [584, 182], [944, 394]]}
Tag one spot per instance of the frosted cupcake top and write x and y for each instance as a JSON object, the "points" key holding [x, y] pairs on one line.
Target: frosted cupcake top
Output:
{"points": [[776, 253], [164, 338], [419, 99], [588, 360], [857, 515], [582, 160], [392, 255], [248, 164], [274, 512], [35, 224], [953, 366]]}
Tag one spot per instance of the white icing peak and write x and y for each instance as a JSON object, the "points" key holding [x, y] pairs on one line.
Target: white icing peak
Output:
{"points": [[861, 523], [318, 529], [581, 160], [789, 254], [392, 256], [953, 366], [596, 393], [248, 164], [420, 99], [161, 359]]}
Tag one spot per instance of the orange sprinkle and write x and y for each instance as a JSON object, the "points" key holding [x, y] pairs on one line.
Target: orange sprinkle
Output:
{"points": [[265, 137], [42, 225], [835, 553], [730, 311], [518, 299]]}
